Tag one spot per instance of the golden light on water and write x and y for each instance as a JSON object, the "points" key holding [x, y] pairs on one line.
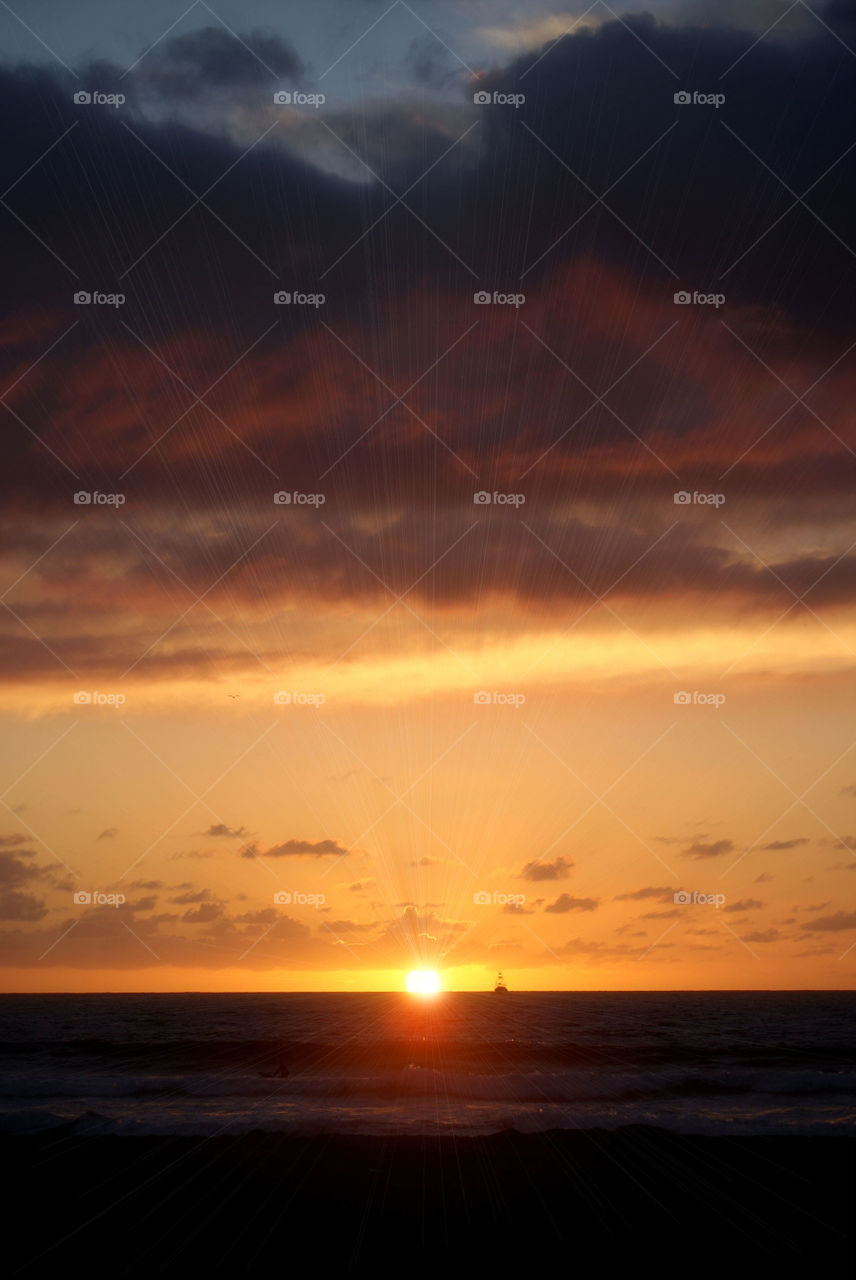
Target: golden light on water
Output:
{"points": [[422, 982]]}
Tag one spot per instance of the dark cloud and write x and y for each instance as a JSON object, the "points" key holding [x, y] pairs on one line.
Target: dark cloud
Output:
{"points": [[279, 401], [836, 923], [297, 849], [142, 904], [220, 829], [565, 903], [109, 833], [431, 64], [206, 913], [558, 869], [745, 904], [21, 906], [213, 940], [777, 846], [606, 78], [15, 874], [283, 214], [210, 60], [264, 916], [762, 935], [709, 849], [641, 895]]}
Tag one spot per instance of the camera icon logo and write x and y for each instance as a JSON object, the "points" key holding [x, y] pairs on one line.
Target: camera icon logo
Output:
{"points": [[682, 298], [82, 298], [682, 98], [282, 499], [481, 699], [682, 897], [482, 297], [683, 498], [481, 498], [282, 98], [282, 298], [481, 98], [82, 897], [82, 97], [283, 898], [82, 498], [481, 899], [682, 698], [82, 698], [282, 699]]}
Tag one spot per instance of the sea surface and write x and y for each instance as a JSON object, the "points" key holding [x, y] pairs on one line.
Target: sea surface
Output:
{"points": [[467, 1063]]}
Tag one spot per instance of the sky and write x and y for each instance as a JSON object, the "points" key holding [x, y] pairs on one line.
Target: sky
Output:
{"points": [[427, 516]]}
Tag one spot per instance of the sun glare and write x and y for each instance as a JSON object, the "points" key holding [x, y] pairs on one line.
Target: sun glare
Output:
{"points": [[423, 982]]}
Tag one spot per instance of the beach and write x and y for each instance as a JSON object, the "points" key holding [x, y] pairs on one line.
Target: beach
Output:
{"points": [[681, 1205]]}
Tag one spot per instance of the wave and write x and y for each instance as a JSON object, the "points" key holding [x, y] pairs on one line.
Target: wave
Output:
{"points": [[188, 1055], [415, 1081], [475, 1122]]}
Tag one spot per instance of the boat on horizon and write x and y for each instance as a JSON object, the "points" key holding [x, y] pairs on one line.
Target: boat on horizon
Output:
{"points": [[499, 985]]}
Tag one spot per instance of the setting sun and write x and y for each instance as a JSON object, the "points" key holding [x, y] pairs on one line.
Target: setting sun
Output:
{"points": [[423, 982]]}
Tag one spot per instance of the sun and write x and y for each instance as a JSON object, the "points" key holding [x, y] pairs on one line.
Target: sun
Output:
{"points": [[423, 982]]}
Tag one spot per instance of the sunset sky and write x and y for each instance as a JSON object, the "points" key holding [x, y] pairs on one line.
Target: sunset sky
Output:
{"points": [[482, 760]]}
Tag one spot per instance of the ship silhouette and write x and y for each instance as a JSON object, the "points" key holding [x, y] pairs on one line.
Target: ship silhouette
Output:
{"points": [[499, 985]]}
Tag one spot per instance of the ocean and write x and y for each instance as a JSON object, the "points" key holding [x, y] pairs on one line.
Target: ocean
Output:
{"points": [[468, 1064]]}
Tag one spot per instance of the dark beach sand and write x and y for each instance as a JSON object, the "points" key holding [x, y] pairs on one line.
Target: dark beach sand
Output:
{"points": [[561, 1201]]}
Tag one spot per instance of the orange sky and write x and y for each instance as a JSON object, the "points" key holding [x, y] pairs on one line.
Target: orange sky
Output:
{"points": [[438, 831]]}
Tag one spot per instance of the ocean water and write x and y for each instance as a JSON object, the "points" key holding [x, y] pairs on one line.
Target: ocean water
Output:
{"points": [[706, 1063]]}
